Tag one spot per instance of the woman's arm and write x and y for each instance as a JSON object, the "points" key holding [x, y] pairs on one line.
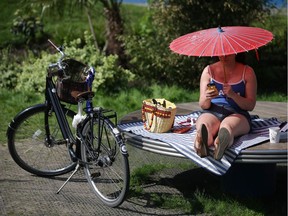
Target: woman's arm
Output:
{"points": [[205, 95]]}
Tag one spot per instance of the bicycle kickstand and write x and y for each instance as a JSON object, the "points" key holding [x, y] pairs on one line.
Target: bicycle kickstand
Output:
{"points": [[76, 169]]}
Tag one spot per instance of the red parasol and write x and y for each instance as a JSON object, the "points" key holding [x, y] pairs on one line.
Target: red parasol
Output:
{"points": [[221, 41]]}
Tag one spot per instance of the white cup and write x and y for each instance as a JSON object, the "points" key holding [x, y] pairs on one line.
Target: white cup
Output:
{"points": [[274, 134]]}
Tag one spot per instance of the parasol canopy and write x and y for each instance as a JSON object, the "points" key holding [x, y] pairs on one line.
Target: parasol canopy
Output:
{"points": [[221, 41]]}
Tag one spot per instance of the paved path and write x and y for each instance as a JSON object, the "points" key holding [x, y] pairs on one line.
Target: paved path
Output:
{"points": [[24, 194]]}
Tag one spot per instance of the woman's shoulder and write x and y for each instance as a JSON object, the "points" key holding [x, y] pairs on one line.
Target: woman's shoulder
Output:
{"points": [[249, 73], [249, 68], [206, 69]]}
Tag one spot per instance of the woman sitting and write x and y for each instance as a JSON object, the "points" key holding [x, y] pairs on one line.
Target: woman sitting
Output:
{"points": [[225, 109]]}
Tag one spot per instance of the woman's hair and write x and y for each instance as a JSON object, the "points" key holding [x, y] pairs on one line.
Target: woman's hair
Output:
{"points": [[241, 58]]}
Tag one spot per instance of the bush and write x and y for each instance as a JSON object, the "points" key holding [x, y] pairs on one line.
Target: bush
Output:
{"points": [[27, 24], [8, 71], [33, 72], [109, 76]]}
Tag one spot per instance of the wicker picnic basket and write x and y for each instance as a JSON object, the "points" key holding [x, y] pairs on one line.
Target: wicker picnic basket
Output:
{"points": [[158, 115], [75, 70]]}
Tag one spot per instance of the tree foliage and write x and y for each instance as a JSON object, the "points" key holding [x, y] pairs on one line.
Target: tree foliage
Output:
{"points": [[111, 11], [27, 24], [168, 19]]}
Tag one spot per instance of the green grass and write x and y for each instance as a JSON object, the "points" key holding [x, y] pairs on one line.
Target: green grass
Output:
{"points": [[274, 96], [123, 103], [67, 27], [203, 195], [6, 17]]}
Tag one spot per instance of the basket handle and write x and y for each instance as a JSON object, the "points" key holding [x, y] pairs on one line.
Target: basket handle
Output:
{"points": [[144, 117], [155, 111]]}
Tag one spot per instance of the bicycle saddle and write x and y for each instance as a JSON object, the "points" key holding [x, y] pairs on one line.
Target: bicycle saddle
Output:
{"points": [[82, 95]]}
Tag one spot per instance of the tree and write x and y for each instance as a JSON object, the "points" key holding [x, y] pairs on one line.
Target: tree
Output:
{"points": [[114, 23], [114, 27], [27, 24], [169, 19], [114, 30], [86, 4]]}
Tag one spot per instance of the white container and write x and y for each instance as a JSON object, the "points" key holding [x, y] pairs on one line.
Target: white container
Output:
{"points": [[274, 134]]}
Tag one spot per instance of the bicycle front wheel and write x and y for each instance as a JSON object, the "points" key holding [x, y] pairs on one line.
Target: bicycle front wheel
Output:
{"points": [[105, 161], [28, 146]]}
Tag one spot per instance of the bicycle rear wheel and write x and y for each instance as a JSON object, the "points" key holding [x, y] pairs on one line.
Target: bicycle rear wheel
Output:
{"points": [[27, 142], [106, 166]]}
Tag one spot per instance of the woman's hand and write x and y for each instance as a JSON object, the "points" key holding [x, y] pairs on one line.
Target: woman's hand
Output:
{"points": [[227, 90], [210, 94]]}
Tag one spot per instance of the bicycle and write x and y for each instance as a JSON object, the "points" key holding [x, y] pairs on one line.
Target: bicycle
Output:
{"points": [[42, 141]]}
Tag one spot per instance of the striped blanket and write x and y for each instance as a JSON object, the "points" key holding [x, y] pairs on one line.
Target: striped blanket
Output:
{"points": [[184, 143]]}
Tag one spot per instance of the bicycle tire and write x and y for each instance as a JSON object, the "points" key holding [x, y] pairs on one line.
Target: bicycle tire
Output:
{"points": [[106, 169], [26, 142]]}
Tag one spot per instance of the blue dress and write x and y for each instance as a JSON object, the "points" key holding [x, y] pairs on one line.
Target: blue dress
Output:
{"points": [[221, 106]]}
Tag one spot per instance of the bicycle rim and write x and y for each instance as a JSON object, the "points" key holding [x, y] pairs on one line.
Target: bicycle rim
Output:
{"points": [[106, 169], [29, 149]]}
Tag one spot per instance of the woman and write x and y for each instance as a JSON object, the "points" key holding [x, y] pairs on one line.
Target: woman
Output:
{"points": [[225, 110]]}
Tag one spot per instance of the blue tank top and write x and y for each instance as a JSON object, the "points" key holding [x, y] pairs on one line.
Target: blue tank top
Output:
{"points": [[221, 99]]}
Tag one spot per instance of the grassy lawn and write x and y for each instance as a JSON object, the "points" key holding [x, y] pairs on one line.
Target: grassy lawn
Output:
{"points": [[202, 192], [122, 103]]}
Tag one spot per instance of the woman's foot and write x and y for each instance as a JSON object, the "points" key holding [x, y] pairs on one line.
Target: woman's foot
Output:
{"points": [[222, 143], [201, 143]]}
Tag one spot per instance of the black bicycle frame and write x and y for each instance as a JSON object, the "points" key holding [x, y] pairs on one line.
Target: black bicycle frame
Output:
{"points": [[53, 102]]}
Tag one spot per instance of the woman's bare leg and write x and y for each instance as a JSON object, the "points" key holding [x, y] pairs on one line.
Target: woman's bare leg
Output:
{"points": [[212, 123], [236, 125], [231, 127]]}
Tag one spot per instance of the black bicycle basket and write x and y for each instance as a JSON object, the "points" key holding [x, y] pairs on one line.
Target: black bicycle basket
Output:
{"points": [[74, 80]]}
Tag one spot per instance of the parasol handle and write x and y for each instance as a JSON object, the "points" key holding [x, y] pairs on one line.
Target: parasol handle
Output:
{"points": [[225, 79], [225, 76]]}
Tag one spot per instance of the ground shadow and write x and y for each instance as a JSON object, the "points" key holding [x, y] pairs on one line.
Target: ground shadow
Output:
{"points": [[199, 181]]}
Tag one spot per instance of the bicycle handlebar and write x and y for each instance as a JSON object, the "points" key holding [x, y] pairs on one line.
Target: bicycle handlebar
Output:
{"points": [[57, 69], [59, 49]]}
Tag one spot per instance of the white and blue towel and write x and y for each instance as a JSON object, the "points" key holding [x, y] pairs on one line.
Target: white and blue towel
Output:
{"points": [[184, 143]]}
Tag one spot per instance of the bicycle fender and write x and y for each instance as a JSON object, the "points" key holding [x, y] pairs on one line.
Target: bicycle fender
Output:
{"points": [[120, 141], [19, 117]]}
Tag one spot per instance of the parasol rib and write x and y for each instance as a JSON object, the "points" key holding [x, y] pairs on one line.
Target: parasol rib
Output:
{"points": [[208, 44]]}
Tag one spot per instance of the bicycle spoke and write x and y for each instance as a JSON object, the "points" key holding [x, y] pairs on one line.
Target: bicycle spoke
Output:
{"points": [[108, 174]]}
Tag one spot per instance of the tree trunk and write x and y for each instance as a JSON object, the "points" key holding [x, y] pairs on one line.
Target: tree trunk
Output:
{"points": [[114, 29], [91, 28]]}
